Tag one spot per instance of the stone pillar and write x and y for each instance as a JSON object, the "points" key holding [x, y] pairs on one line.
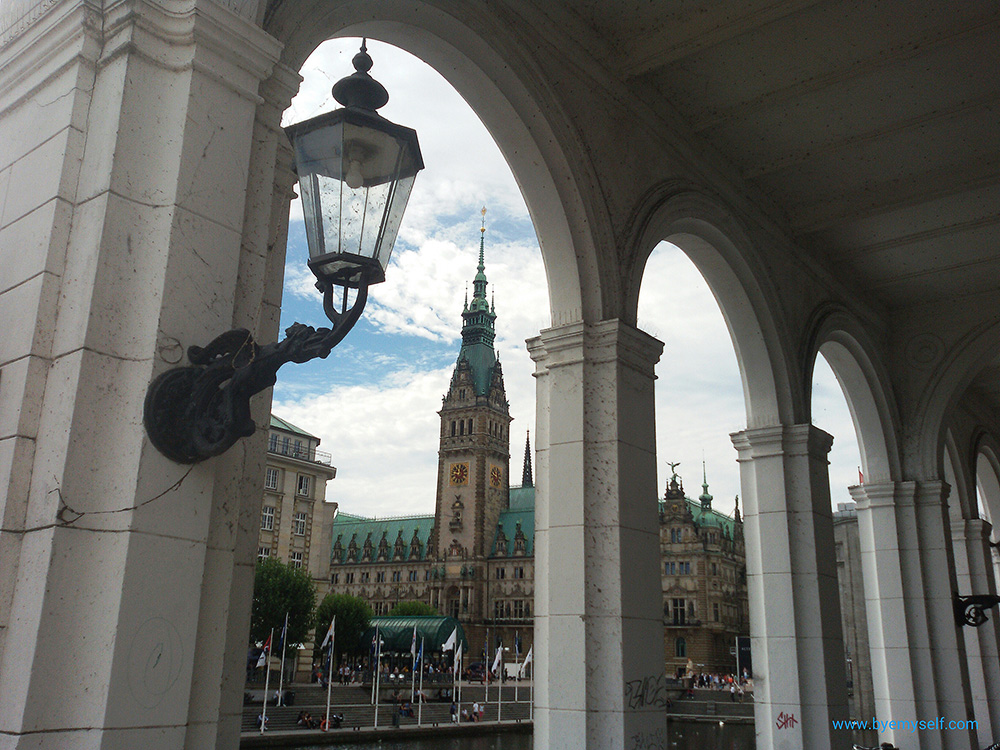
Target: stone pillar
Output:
{"points": [[974, 574], [919, 669], [795, 627], [123, 613], [598, 620]]}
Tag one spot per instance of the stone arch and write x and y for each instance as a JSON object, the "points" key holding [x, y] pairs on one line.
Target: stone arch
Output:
{"points": [[844, 342], [955, 369], [962, 498], [722, 251], [523, 118], [987, 468]]}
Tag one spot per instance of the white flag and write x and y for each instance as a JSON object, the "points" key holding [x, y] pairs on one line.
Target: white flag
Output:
{"points": [[329, 633], [413, 644], [527, 661], [449, 644], [458, 657], [496, 661]]}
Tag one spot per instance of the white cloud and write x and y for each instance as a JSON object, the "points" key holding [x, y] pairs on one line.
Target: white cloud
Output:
{"points": [[384, 436]]}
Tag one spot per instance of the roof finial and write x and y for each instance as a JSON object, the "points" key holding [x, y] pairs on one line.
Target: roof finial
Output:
{"points": [[482, 236]]}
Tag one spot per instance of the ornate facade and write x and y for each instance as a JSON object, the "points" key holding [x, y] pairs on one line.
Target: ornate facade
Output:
{"points": [[474, 558]]}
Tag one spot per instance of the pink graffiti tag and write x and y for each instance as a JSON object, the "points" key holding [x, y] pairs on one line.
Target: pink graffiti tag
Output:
{"points": [[786, 721]]}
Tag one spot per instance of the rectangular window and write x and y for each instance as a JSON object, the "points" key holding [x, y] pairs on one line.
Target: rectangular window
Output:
{"points": [[348, 577], [397, 576], [272, 442], [365, 576], [380, 577], [299, 524], [679, 610], [518, 572], [267, 517], [335, 578], [263, 552], [498, 610], [715, 611], [670, 568], [304, 485], [271, 479], [684, 568], [518, 608], [501, 573], [295, 559], [412, 575], [427, 574], [715, 569]]}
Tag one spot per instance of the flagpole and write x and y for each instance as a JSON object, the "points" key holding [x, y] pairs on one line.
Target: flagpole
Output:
{"points": [[413, 666], [329, 669], [374, 668], [281, 673], [500, 685], [486, 666], [267, 681], [517, 658], [420, 695], [378, 665]]}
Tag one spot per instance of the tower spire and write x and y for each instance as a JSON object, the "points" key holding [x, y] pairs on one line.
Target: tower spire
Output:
{"points": [[706, 499], [526, 480], [478, 332]]}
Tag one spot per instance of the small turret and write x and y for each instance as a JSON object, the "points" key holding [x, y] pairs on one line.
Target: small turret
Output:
{"points": [[705, 497]]}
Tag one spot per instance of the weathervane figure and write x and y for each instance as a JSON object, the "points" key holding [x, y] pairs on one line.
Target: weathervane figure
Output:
{"points": [[673, 469]]}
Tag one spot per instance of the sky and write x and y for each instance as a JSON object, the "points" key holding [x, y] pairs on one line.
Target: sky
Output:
{"points": [[374, 401]]}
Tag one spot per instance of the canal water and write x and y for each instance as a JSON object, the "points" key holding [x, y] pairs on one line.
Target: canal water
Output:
{"points": [[681, 735]]}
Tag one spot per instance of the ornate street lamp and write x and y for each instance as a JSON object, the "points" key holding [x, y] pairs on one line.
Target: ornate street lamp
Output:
{"points": [[356, 170]]}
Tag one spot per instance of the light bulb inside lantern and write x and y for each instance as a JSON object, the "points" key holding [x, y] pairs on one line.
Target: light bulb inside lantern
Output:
{"points": [[353, 177]]}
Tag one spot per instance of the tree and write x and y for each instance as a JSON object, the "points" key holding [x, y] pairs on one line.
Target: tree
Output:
{"points": [[353, 616], [413, 609], [279, 588]]}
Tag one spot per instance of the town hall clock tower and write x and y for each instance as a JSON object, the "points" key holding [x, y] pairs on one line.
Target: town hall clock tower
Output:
{"points": [[473, 460]]}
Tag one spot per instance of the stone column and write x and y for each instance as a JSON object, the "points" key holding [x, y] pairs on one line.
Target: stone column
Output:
{"points": [[598, 621], [795, 626], [122, 613], [919, 669], [974, 575]]}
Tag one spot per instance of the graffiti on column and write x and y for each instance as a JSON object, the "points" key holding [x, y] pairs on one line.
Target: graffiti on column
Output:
{"points": [[786, 721], [648, 691], [656, 740]]}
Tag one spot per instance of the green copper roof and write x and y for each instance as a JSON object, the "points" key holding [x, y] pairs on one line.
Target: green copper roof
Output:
{"points": [[522, 498], [281, 424], [396, 633], [347, 527], [478, 332], [706, 517], [519, 515]]}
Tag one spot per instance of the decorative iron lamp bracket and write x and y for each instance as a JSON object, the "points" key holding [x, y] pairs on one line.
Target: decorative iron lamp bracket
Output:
{"points": [[350, 161], [969, 610], [196, 412]]}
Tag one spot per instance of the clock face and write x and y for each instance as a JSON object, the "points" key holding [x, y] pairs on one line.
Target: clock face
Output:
{"points": [[459, 474], [496, 476]]}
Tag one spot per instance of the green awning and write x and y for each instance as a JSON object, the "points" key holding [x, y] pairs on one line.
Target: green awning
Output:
{"points": [[397, 633]]}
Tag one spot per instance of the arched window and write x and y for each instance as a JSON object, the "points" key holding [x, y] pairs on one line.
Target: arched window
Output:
{"points": [[680, 647]]}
